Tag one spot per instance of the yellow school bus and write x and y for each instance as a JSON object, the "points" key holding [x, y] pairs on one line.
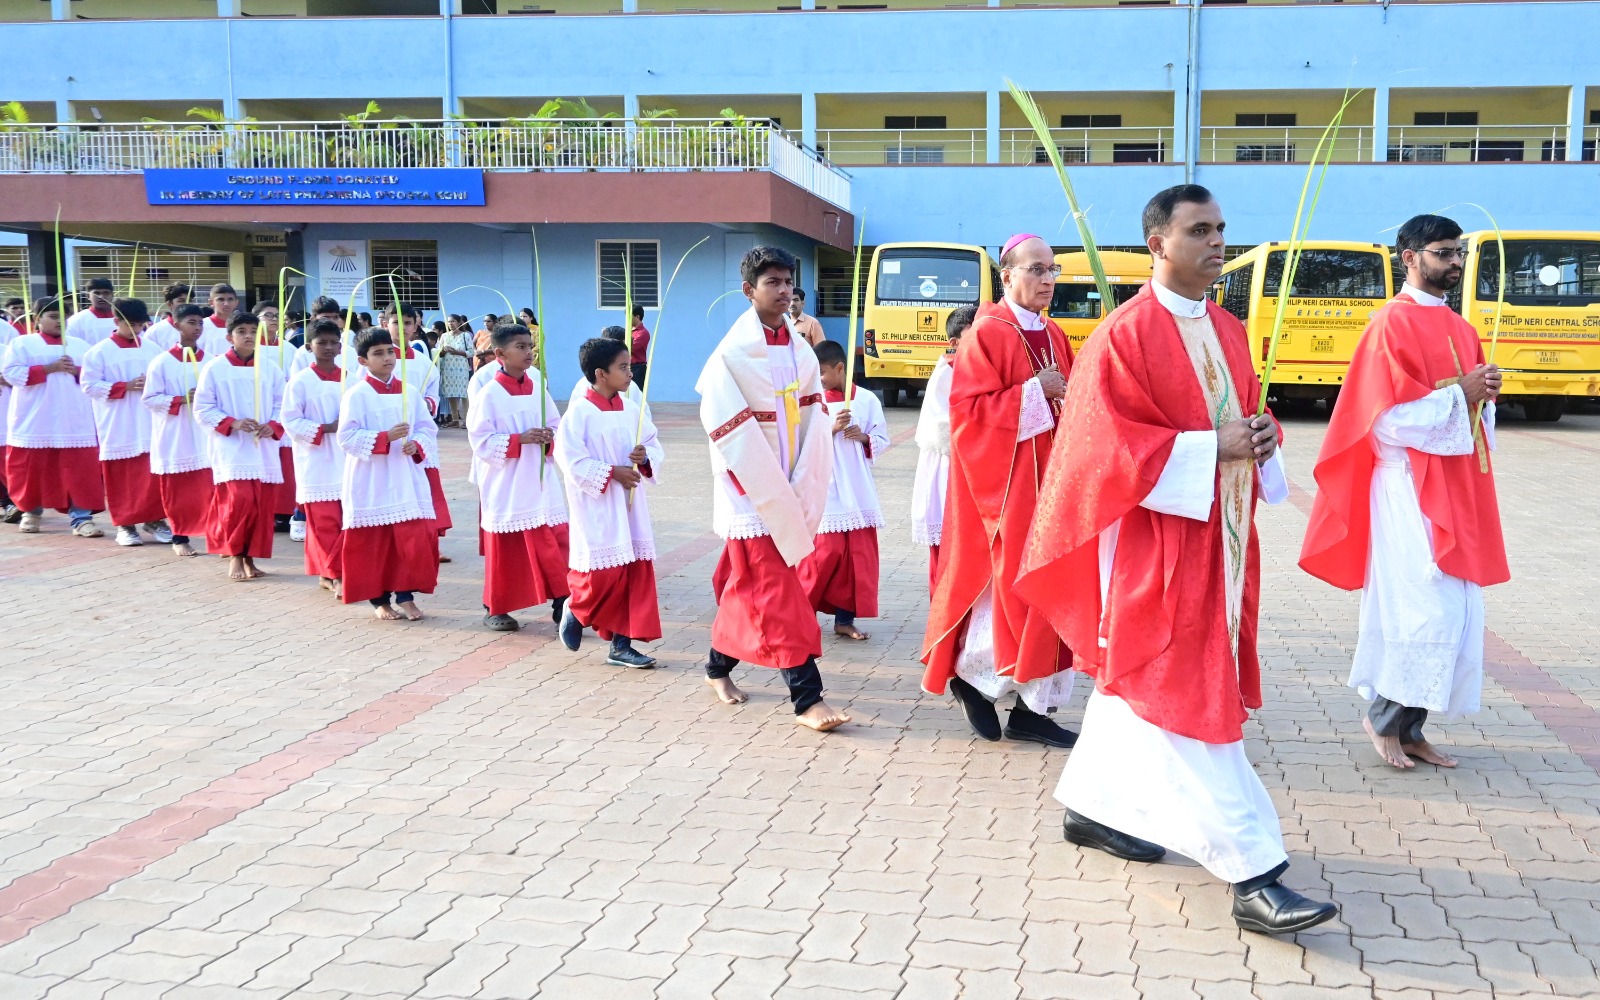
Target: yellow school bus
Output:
{"points": [[1550, 329], [1076, 306], [1337, 288], [911, 290]]}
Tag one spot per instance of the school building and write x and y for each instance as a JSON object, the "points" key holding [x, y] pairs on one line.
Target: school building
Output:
{"points": [[431, 140]]}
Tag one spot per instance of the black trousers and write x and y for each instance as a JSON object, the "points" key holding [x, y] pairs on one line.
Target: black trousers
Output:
{"points": [[1263, 880], [805, 681], [400, 597], [1390, 718], [638, 374]]}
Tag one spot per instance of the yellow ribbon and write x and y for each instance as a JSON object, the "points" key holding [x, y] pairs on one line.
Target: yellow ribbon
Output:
{"points": [[791, 414]]}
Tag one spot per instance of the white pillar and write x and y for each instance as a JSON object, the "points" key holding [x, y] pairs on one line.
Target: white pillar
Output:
{"points": [[992, 119], [63, 109], [1576, 102], [1178, 146], [1380, 124], [60, 10], [630, 6], [808, 119], [227, 8]]}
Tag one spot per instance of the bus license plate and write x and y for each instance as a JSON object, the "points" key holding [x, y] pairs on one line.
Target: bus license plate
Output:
{"points": [[1549, 357], [1322, 345], [922, 371]]}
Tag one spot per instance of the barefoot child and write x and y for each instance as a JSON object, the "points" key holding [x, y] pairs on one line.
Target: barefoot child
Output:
{"points": [[771, 455], [418, 369], [612, 574], [311, 415], [933, 446], [237, 398], [180, 457], [113, 378], [51, 456], [840, 576], [391, 547], [511, 423]]}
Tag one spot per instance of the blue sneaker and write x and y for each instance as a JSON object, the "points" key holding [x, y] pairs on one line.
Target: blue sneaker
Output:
{"points": [[571, 630]]}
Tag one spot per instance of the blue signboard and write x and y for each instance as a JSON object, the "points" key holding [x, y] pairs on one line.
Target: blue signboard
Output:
{"points": [[417, 186]]}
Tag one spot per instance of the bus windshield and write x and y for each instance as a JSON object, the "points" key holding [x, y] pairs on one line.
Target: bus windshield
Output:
{"points": [[1559, 272], [1081, 300], [1329, 274], [928, 277]]}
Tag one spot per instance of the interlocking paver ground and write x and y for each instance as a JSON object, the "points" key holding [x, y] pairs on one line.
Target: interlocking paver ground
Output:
{"points": [[212, 791]]}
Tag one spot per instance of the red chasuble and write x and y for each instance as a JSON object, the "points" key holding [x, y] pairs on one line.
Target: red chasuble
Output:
{"points": [[1404, 355], [994, 487], [1166, 650]]}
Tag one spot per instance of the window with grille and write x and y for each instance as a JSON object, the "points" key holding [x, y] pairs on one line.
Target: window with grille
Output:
{"points": [[901, 155], [153, 271], [1264, 153], [1072, 153], [834, 270], [641, 268], [13, 270], [1414, 153], [415, 266], [1236, 291]]}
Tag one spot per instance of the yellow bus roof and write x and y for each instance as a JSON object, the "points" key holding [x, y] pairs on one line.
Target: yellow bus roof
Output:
{"points": [[1116, 262], [1534, 234], [929, 245], [1260, 250]]}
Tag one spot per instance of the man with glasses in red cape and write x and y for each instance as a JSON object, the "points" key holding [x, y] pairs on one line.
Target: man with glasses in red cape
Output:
{"points": [[982, 642]]}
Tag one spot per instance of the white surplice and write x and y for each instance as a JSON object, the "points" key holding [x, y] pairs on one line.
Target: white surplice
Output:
{"points": [[1420, 641], [517, 490], [91, 327], [852, 494], [178, 441], [609, 527], [309, 402], [120, 418], [51, 411], [975, 662], [381, 487], [933, 457], [1202, 800], [228, 393]]}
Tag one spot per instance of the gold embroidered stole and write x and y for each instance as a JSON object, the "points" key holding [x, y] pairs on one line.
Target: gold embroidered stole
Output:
{"points": [[1235, 478]]}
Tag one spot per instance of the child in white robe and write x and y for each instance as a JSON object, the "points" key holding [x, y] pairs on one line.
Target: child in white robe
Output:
{"points": [[524, 515], [311, 415], [51, 450], [933, 446], [840, 576], [99, 321], [180, 454], [612, 573], [391, 547], [114, 378], [238, 398], [419, 371]]}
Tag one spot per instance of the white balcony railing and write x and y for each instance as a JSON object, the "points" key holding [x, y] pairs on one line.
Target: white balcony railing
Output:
{"points": [[1292, 144], [1477, 144], [1089, 145], [897, 147], [507, 145]]}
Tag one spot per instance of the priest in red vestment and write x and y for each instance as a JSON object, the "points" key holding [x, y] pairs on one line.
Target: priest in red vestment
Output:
{"points": [[982, 642], [1406, 509], [1143, 557]]}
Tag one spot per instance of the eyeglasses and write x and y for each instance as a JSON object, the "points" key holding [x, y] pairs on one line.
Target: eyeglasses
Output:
{"points": [[1447, 254], [1039, 270]]}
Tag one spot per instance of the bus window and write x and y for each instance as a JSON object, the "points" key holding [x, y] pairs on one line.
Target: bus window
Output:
{"points": [[1329, 274], [929, 277], [1541, 272], [1236, 291], [1080, 300]]}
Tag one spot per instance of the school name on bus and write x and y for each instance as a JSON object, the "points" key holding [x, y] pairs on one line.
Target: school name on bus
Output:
{"points": [[419, 186], [1574, 327]]}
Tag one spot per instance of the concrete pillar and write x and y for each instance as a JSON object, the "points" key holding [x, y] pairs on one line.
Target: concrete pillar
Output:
{"points": [[227, 8], [41, 264], [60, 10], [239, 273], [1380, 124], [63, 109], [808, 119], [808, 4], [991, 112], [630, 6], [1576, 101]]}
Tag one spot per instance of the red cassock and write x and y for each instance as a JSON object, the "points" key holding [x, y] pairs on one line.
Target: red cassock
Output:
{"points": [[522, 569], [133, 493], [993, 490], [241, 520], [1167, 651], [441, 506], [389, 558], [1404, 355], [618, 600], [55, 477], [186, 501], [324, 548], [283, 493], [841, 573]]}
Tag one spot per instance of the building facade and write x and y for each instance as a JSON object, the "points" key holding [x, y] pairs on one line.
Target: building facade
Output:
{"points": [[635, 129]]}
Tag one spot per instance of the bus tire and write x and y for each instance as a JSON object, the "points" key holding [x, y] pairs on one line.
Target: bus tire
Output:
{"points": [[1544, 409], [891, 394]]}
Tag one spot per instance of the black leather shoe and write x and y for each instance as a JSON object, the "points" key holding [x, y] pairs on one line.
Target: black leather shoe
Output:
{"points": [[980, 713], [1085, 832], [1028, 726], [1277, 909]]}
